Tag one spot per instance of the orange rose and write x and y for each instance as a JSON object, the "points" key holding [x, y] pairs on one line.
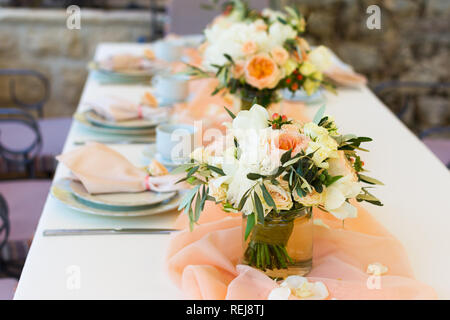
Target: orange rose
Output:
{"points": [[280, 55], [262, 72], [249, 47], [290, 140]]}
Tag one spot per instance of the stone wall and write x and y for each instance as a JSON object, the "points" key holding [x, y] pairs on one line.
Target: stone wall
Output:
{"points": [[412, 44], [38, 39]]}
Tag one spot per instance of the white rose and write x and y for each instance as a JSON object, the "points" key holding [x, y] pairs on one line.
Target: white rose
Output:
{"points": [[279, 33], [321, 58]]}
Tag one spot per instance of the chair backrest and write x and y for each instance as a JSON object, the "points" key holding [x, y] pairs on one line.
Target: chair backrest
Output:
{"points": [[20, 137], [4, 222], [38, 106], [188, 16]]}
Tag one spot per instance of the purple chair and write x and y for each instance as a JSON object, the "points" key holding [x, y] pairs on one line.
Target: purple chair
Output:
{"points": [[53, 130], [188, 16], [7, 288], [24, 198], [439, 146]]}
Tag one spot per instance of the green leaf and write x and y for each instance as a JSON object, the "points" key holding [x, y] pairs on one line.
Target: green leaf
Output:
{"points": [[250, 224], [286, 156], [268, 198], [182, 168], [216, 170], [319, 114], [232, 115], [369, 180], [254, 176], [192, 171], [187, 199], [282, 20], [332, 180], [229, 58], [258, 207]]}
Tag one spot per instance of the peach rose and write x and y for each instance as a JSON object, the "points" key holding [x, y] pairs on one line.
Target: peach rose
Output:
{"points": [[280, 55], [262, 72], [238, 69], [249, 47], [155, 168], [291, 140], [281, 197], [149, 100]]}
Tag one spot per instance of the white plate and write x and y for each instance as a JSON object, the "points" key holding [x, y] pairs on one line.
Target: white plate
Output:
{"points": [[81, 118], [61, 191], [136, 124], [123, 201]]}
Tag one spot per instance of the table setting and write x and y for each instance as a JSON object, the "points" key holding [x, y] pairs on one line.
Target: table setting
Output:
{"points": [[234, 165]]}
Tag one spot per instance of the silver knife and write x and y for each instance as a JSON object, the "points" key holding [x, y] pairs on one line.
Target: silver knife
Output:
{"points": [[80, 232], [125, 141]]}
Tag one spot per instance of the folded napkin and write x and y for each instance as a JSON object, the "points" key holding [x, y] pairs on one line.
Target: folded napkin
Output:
{"points": [[119, 109], [103, 170], [126, 62], [345, 77]]}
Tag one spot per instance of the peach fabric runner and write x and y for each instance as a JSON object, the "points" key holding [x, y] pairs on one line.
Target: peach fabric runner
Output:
{"points": [[204, 263]]}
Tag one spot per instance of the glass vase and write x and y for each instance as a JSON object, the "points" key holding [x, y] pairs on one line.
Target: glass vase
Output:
{"points": [[282, 244], [264, 98]]}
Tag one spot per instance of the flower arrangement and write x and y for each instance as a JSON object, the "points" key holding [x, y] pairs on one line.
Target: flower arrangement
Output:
{"points": [[254, 54], [275, 170]]}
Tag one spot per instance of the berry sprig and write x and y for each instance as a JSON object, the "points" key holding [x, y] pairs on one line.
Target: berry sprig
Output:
{"points": [[294, 81], [278, 121]]}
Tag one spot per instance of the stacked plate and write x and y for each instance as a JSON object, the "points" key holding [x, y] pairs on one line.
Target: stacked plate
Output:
{"points": [[139, 127], [104, 75], [73, 194]]}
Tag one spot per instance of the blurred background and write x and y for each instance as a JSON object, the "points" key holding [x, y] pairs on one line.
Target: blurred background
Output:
{"points": [[412, 44]]}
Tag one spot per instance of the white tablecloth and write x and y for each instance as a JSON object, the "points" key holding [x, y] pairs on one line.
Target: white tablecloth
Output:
{"points": [[416, 210]]}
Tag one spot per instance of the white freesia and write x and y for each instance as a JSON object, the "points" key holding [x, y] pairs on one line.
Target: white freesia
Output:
{"points": [[301, 288], [321, 58], [218, 189], [337, 194], [256, 118]]}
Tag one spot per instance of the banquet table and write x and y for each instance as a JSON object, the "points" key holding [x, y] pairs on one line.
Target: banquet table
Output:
{"points": [[415, 196]]}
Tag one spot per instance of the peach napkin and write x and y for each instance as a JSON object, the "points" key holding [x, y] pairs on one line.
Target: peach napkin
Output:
{"points": [[125, 62], [103, 170], [118, 109], [346, 77]]}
